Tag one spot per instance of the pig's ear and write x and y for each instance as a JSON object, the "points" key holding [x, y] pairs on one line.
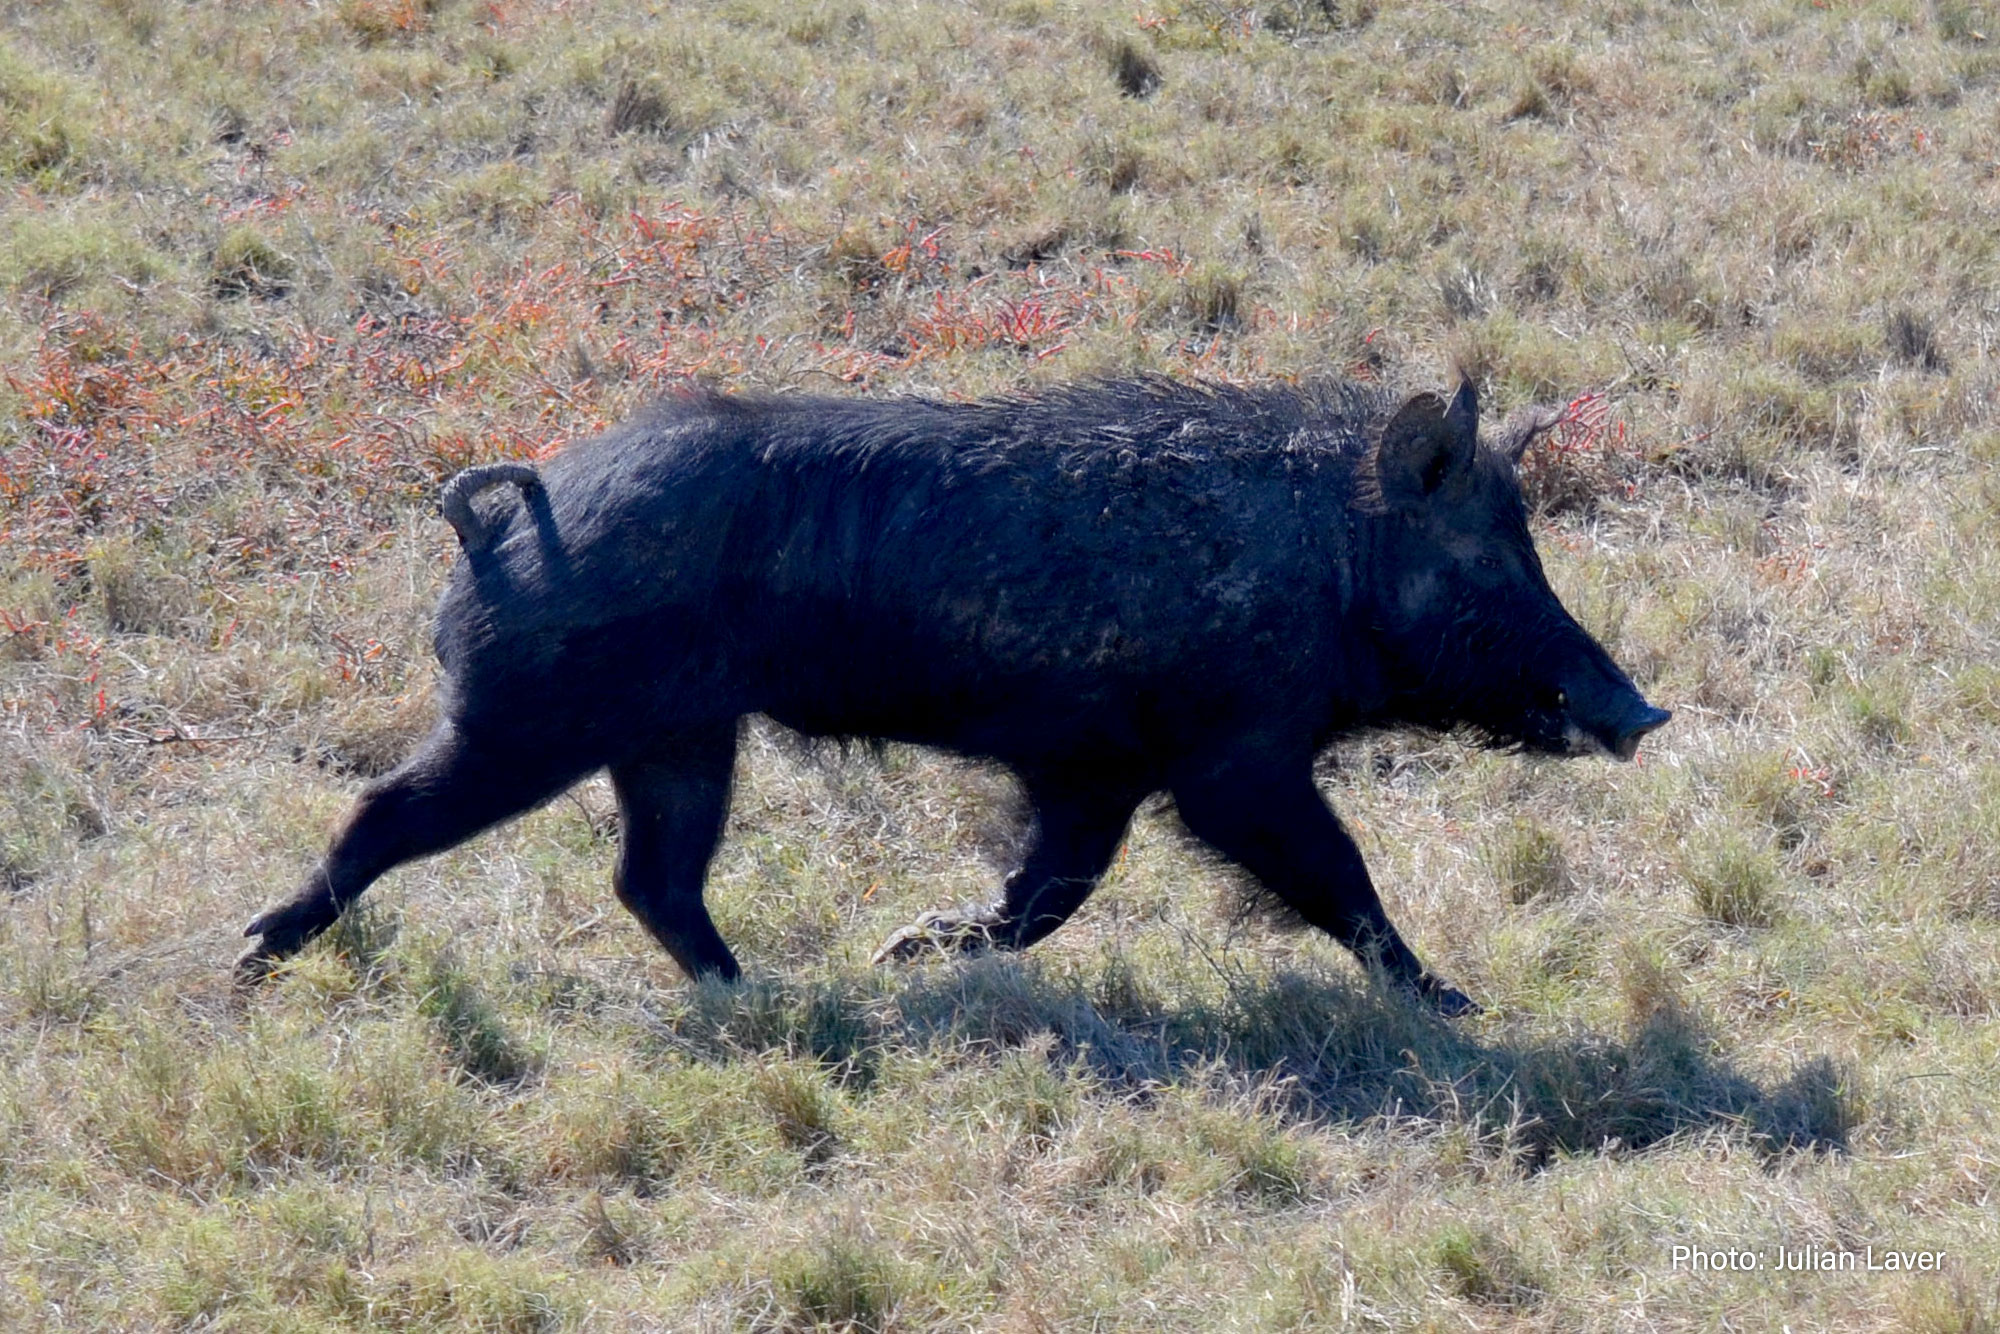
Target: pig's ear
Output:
{"points": [[1522, 427], [1427, 443]]}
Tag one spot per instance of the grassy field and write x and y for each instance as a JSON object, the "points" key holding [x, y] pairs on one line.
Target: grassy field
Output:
{"points": [[272, 272]]}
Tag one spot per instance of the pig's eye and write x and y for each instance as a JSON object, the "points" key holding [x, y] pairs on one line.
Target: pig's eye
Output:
{"points": [[1562, 698]]}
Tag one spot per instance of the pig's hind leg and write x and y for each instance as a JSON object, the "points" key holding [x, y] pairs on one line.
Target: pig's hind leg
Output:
{"points": [[452, 788], [671, 812], [1271, 820], [1077, 830]]}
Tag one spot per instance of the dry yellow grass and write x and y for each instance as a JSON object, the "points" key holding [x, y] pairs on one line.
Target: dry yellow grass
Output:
{"points": [[272, 272]]}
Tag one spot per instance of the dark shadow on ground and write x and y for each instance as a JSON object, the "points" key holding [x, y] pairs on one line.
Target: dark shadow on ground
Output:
{"points": [[1332, 1049]]}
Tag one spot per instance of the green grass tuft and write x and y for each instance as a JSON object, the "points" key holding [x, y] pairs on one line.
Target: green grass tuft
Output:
{"points": [[840, 1282], [1528, 862], [471, 1024], [1483, 1268], [247, 264], [1734, 880]]}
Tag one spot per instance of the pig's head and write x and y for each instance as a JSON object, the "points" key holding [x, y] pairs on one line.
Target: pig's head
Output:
{"points": [[1469, 631]]}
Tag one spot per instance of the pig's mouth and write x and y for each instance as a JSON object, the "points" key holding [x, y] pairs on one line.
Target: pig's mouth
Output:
{"points": [[1559, 728], [1567, 703], [1617, 736], [1625, 744]]}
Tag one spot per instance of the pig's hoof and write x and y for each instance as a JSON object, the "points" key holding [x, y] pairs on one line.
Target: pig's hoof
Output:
{"points": [[1447, 1000], [281, 933], [936, 933], [257, 965]]}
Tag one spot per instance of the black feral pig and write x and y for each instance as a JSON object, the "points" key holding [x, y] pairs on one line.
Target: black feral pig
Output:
{"points": [[1114, 589]]}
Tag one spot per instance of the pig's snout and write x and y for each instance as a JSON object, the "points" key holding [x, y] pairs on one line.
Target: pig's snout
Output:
{"points": [[1616, 725]]}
